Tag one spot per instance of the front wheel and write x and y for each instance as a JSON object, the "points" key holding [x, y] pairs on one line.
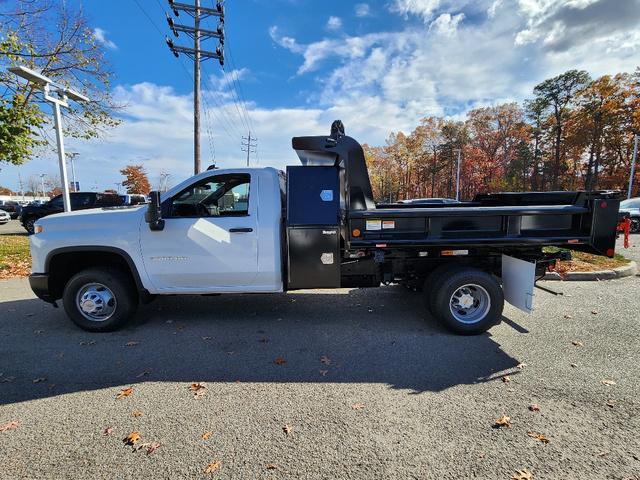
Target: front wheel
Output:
{"points": [[100, 300], [468, 301], [635, 225]]}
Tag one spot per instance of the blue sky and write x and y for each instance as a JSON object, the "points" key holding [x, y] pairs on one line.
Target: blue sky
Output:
{"points": [[379, 66]]}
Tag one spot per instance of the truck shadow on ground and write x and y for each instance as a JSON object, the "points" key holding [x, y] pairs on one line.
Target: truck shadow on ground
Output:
{"points": [[355, 336]]}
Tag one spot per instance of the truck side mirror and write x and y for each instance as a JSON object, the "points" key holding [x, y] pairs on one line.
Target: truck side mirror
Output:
{"points": [[153, 215]]}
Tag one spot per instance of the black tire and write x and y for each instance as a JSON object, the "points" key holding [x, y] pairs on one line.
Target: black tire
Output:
{"points": [[114, 293], [480, 288], [29, 225], [635, 225], [431, 286]]}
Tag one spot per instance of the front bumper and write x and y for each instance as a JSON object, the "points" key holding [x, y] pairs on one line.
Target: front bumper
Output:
{"points": [[39, 283]]}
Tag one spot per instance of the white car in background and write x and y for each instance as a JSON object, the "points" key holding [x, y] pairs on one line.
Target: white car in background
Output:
{"points": [[4, 217], [632, 207]]}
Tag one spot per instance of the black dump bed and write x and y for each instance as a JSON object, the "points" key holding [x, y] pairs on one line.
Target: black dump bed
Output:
{"points": [[576, 220]]}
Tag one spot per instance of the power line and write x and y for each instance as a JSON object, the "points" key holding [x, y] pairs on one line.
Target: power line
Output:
{"points": [[238, 85]]}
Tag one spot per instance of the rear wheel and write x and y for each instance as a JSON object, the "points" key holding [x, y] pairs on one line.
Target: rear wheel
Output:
{"points": [[100, 300], [468, 301]]}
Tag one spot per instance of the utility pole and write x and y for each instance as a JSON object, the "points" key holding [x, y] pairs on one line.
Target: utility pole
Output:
{"points": [[196, 54], [633, 165], [249, 145]]}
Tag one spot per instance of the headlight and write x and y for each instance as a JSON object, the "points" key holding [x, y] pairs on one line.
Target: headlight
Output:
{"points": [[38, 229]]}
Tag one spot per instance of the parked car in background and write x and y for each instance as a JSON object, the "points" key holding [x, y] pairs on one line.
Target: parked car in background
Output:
{"points": [[79, 201], [133, 199], [632, 207], [11, 207], [4, 217]]}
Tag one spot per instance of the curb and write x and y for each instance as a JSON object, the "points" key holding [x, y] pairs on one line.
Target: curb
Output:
{"points": [[620, 272]]}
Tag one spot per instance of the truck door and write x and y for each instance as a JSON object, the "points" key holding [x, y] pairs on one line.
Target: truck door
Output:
{"points": [[210, 239]]}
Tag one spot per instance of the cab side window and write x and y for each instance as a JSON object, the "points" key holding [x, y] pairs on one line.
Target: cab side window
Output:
{"points": [[219, 196]]}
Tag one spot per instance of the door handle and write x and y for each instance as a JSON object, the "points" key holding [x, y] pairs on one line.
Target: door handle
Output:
{"points": [[241, 230]]}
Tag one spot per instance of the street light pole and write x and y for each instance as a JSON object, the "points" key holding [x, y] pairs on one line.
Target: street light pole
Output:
{"points": [[42, 175], [62, 94], [57, 116], [458, 176], [633, 165], [72, 156]]}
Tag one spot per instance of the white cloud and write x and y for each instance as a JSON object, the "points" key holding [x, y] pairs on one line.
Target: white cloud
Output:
{"points": [[362, 10], [334, 23], [422, 8], [101, 37], [446, 24]]}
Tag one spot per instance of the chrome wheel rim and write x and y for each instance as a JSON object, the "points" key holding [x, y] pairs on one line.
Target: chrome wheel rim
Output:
{"points": [[96, 302], [470, 303]]}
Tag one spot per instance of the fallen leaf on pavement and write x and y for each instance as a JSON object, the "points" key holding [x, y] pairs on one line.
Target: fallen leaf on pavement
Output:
{"points": [[324, 372], [522, 475], [503, 421], [137, 413], [150, 447], [606, 381], [213, 466], [577, 343], [125, 392], [272, 466], [573, 365], [357, 406], [287, 429], [279, 361], [538, 436], [88, 342], [206, 338], [9, 426], [506, 379], [107, 431], [197, 386], [132, 438], [594, 312], [206, 435], [325, 360], [534, 407], [610, 404], [521, 365], [131, 344], [568, 316], [38, 380]]}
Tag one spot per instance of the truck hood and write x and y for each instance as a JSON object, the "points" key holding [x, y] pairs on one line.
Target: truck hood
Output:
{"points": [[111, 218]]}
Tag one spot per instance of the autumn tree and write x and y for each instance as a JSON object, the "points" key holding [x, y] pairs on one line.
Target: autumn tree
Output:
{"points": [[55, 39], [136, 179], [6, 191], [556, 94]]}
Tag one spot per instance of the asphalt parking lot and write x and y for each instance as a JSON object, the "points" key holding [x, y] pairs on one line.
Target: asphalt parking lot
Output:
{"points": [[367, 385]]}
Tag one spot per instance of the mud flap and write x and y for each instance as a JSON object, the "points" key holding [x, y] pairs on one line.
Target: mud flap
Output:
{"points": [[518, 281]]}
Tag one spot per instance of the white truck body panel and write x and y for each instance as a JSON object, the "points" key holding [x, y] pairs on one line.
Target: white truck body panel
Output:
{"points": [[191, 255]]}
